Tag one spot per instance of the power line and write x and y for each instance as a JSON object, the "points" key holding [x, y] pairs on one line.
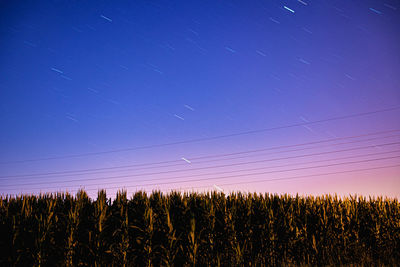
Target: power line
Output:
{"points": [[55, 174], [217, 166], [193, 159], [260, 173], [277, 179], [297, 177], [235, 171], [205, 138], [258, 181]]}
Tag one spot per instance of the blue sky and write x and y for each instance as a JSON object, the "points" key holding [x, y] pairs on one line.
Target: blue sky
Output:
{"points": [[87, 76]]}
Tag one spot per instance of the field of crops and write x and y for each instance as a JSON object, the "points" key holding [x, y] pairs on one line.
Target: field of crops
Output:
{"points": [[197, 229]]}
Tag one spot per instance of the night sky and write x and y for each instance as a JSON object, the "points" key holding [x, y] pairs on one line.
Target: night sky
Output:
{"points": [[254, 96]]}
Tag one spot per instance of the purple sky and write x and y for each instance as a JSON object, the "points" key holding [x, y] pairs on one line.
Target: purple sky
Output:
{"points": [[81, 78]]}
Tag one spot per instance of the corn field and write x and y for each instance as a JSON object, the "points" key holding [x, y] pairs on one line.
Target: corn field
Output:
{"points": [[197, 229]]}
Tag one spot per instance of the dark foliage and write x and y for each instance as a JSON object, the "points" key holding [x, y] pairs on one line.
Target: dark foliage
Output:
{"points": [[197, 229]]}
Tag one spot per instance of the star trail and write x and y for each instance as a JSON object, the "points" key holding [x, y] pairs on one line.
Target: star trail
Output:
{"points": [[94, 92]]}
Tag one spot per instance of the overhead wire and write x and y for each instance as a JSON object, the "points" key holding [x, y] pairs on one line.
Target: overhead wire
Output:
{"points": [[170, 178], [361, 114], [260, 173], [234, 171], [217, 166], [193, 159], [294, 177]]}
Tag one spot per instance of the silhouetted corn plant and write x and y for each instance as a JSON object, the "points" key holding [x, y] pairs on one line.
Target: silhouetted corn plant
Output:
{"points": [[198, 229], [100, 243], [45, 218], [120, 246], [170, 249], [71, 231]]}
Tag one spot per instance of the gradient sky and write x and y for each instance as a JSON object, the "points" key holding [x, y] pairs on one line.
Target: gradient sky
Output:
{"points": [[78, 77]]}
